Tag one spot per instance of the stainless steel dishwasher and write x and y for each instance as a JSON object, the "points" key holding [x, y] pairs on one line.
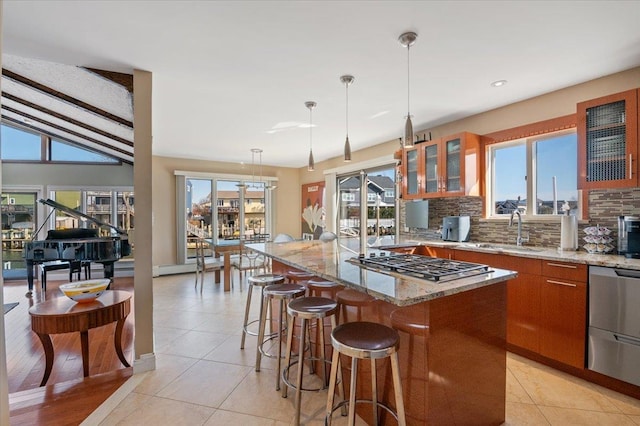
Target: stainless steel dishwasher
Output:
{"points": [[614, 323]]}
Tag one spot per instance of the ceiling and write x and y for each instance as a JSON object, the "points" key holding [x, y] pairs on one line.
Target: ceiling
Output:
{"points": [[231, 76]]}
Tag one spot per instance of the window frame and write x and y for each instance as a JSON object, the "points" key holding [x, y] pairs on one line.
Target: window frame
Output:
{"points": [[181, 209], [529, 142], [46, 142]]}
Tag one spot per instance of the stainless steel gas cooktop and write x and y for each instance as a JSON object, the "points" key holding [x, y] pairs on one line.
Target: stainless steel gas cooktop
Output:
{"points": [[425, 267]]}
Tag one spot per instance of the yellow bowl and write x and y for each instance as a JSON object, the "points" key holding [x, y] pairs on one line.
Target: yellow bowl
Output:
{"points": [[84, 291]]}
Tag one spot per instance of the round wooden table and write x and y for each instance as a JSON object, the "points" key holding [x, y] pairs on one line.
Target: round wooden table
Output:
{"points": [[63, 315]]}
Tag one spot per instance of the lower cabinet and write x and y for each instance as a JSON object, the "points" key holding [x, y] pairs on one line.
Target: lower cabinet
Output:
{"points": [[563, 320], [546, 305]]}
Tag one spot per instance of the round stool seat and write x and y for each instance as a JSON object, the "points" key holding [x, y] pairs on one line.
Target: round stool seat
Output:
{"points": [[354, 298], [265, 279], [312, 307], [362, 339], [281, 291], [410, 320], [297, 276], [370, 341], [319, 287]]}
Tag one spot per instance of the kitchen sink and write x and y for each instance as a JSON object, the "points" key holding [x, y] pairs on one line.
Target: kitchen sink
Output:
{"points": [[502, 247]]}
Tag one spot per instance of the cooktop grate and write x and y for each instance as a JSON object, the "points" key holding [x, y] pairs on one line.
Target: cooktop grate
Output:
{"points": [[431, 268]]}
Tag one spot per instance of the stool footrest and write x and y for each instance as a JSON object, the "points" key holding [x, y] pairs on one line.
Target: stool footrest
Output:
{"points": [[287, 382], [361, 401]]}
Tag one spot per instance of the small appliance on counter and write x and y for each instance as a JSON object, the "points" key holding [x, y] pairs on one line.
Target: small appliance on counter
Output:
{"points": [[629, 236], [456, 228]]}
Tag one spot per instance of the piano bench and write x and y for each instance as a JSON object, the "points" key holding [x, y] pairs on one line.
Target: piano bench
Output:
{"points": [[73, 266]]}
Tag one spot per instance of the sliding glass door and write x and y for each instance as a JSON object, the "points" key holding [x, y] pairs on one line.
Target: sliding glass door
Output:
{"points": [[375, 189]]}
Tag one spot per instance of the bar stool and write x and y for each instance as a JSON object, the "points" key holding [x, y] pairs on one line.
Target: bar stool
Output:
{"points": [[355, 299], [365, 340], [323, 288], [297, 277], [261, 281], [282, 293], [413, 321], [307, 309]]}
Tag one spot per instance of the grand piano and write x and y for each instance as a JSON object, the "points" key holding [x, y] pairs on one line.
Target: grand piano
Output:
{"points": [[77, 244]]}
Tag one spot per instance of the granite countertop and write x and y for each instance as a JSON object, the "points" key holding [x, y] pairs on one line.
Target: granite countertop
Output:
{"points": [[329, 261], [579, 256]]}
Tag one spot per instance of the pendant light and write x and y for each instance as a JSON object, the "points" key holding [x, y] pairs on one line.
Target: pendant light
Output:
{"points": [[407, 40], [311, 105], [347, 80], [268, 186], [254, 151]]}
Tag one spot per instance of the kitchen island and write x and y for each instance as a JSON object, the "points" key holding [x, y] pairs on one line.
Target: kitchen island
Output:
{"points": [[454, 371]]}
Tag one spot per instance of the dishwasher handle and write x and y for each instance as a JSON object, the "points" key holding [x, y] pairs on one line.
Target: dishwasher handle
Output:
{"points": [[626, 339], [627, 273]]}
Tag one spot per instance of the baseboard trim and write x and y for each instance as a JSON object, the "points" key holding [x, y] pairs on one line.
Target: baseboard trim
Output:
{"points": [[146, 362]]}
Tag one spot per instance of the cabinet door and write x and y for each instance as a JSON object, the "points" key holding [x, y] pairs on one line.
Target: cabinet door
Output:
{"points": [[608, 141], [460, 165], [523, 295], [453, 163], [523, 311], [411, 177], [430, 159], [563, 320]]}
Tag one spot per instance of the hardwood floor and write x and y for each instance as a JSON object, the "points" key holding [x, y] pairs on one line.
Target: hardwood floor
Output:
{"points": [[75, 397]]}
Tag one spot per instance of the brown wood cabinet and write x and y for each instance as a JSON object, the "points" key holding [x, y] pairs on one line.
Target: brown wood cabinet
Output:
{"points": [[563, 302], [523, 295], [608, 141], [441, 252], [444, 167], [546, 305]]}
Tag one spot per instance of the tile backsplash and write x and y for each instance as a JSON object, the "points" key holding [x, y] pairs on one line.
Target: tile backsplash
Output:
{"points": [[604, 208]]}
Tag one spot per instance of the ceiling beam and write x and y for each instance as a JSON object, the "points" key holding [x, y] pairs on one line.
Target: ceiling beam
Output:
{"points": [[124, 80], [66, 118], [66, 98]]}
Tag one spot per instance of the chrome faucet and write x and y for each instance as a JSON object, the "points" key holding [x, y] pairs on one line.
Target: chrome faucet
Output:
{"points": [[519, 239]]}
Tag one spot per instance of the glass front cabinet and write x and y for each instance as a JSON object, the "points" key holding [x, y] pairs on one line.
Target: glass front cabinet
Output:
{"points": [[608, 141], [442, 167]]}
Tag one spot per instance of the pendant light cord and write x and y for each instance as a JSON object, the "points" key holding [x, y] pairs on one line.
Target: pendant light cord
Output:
{"points": [[408, 83], [311, 129], [347, 108]]}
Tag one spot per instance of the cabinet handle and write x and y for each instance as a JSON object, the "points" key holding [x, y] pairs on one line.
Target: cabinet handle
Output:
{"points": [[561, 283], [561, 265], [630, 166]]}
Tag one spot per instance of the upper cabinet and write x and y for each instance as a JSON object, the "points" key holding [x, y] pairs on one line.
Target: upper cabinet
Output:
{"points": [[443, 167], [608, 141]]}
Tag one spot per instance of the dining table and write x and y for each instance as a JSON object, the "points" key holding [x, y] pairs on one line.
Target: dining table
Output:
{"points": [[226, 248]]}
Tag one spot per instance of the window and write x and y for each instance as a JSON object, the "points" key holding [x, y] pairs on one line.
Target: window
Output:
{"points": [[97, 204], [535, 175], [348, 196], [23, 145], [20, 144], [240, 208], [61, 151]]}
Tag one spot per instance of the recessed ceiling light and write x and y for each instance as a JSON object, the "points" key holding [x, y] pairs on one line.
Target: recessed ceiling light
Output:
{"points": [[499, 83]]}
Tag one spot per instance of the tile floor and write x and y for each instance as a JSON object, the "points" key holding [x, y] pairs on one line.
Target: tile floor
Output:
{"points": [[203, 378]]}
